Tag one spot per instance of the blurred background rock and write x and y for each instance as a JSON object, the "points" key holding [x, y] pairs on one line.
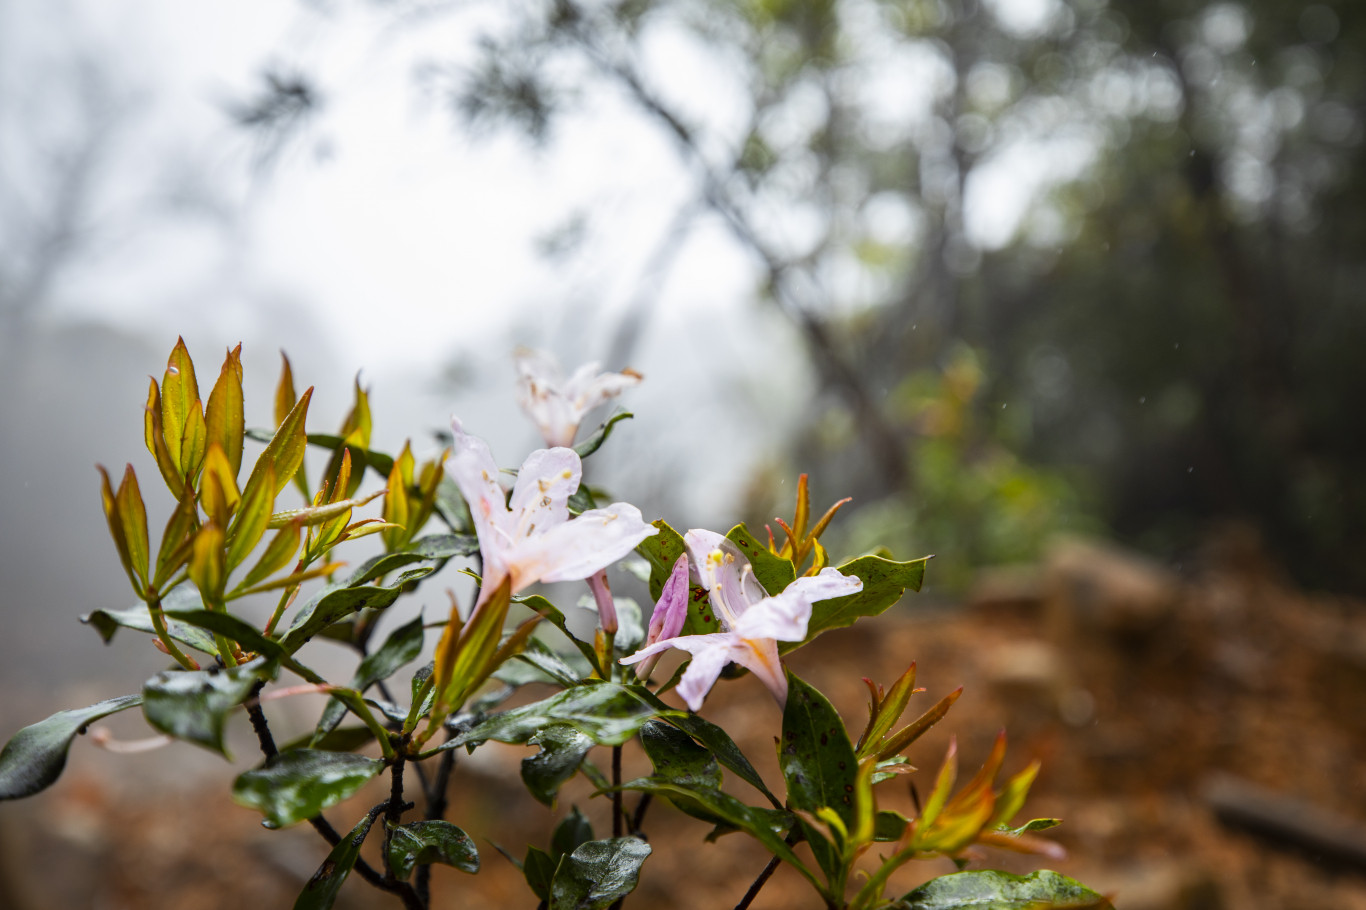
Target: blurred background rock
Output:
{"points": [[998, 269]]}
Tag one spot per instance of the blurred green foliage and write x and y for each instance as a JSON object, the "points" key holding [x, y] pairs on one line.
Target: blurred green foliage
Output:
{"points": [[1144, 218]]}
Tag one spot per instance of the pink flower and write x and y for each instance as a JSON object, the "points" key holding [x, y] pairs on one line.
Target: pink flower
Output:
{"points": [[531, 538], [557, 405], [752, 622], [671, 611]]}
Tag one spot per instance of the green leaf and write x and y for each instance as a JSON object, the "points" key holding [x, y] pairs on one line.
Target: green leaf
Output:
{"points": [[538, 869], [245, 634], [300, 783], [556, 618], [815, 755], [284, 453], [884, 581], [34, 758], [889, 825], [193, 705], [677, 758], [342, 739], [573, 831], [608, 713], [402, 646], [599, 872], [661, 551], [179, 396], [987, 890], [138, 618], [320, 893], [680, 760], [773, 572], [819, 766], [594, 442], [562, 751], [223, 415], [721, 745], [426, 842], [537, 663], [336, 602], [768, 826], [253, 516], [451, 506]]}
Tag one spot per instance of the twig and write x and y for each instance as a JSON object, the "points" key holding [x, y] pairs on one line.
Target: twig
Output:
{"points": [[617, 815], [436, 810], [766, 874], [638, 818]]}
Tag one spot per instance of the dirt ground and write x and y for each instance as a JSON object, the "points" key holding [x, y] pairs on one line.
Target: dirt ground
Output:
{"points": [[1136, 687]]}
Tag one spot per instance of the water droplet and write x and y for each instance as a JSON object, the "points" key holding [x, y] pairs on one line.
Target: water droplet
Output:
{"points": [[1176, 346], [913, 326], [1003, 407], [1190, 470], [1143, 399], [174, 371]]}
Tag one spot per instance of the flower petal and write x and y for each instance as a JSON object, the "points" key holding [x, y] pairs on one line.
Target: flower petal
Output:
{"points": [[671, 610], [707, 663], [760, 657], [540, 498], [726, 573], [784, 616], [474, 471], [576, 549], [539, 383]]}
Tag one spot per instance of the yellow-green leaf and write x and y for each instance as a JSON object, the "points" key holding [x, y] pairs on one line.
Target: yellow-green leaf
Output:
{"points": [[253, 516], [175, 546], [284, 391], [279, 552], [116, 530], [397, 505], [154, 434], [285, 452], [356, 428], [206, 563], [195, 442], [218, 492], [224, 414], [179, 393], [133, 516], [285, 399]]}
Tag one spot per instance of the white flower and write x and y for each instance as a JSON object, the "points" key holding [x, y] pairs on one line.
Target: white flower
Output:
{"points": [[753, 622], [557, 405], [532, 538]]}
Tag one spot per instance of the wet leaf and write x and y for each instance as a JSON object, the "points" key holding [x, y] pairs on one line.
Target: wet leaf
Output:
{"points": [[320, 893], [719, 742], [562, 751], [253, 517], [154, 434], [596, 874], [338, 601], [987, 890], [538, 869], [193, 705], [425, 842], [138, 618], [773, 572], [402, 646], [34, 758], [608, 713], [884, 581], [818, 762], [300, 783]]}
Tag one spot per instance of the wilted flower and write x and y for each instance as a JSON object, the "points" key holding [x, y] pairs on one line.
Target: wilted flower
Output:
{"points": [[753, 623], [531, 538], [556, 404]]}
